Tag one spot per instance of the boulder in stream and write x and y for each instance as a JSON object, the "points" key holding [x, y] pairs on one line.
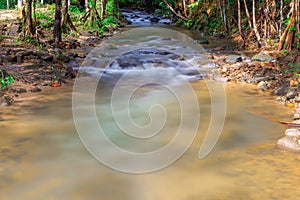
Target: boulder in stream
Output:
{"points": [[290, 143], [294, 132], [282, 90], [154, 19], [202, 41], [292, 93]]}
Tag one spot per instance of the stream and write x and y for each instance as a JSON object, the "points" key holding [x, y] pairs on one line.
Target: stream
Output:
{"points": [[46, 154]]}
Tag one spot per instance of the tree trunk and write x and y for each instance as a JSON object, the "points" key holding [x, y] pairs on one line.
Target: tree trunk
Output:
{"points": [[21, 10], [42, 2], [254, 24], [57, 22], [239, 21], [297, 5], [103, 8], [248, 14], [7, 4], [86, 5], [281, 18], [287, 37], [184, 8], [67, 23], [28, 19], [34, 10], [116, 7], [224, 16], [266, 21], [221, 5], [221, 10]]}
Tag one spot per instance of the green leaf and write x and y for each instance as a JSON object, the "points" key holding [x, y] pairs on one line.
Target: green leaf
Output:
{"points": [[3, 83], [293, 28]]}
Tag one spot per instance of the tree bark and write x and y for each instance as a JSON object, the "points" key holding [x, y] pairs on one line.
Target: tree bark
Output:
{"points": [[34, 10], [67, 23], [102, 8], [184, 8], [281, 18], [28, 19], [86, 5], [239, 21], [266, 21], [57, 22], [287, 37], [254, 24], [248, 14], [224, 16], [116, 8]]}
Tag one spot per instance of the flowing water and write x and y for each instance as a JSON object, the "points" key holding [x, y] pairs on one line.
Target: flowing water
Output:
{"points": [[42, 156]]}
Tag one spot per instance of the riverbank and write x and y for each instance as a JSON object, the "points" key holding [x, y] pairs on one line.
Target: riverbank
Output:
{"points": [[39, 64], [271, 74]]}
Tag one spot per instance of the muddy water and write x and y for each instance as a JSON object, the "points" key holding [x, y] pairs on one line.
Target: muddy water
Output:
{"points": [[42, 157]]}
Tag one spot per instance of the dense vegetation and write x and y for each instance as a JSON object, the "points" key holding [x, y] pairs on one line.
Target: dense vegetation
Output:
{"points": [[263, 22]]}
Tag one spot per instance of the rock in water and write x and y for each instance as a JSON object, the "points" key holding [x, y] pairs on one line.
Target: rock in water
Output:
{"points": [[154, 20], [289, 142], [202, 41], [283, 90], [262, 85], [293, 132], [292, 93]]}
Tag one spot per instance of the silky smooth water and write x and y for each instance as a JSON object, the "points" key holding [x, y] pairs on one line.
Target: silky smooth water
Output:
{"points": [[42, 156]]}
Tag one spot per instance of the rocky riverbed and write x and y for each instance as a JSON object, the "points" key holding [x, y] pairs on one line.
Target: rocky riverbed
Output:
{"points": [[34, 70], [271, 74]]}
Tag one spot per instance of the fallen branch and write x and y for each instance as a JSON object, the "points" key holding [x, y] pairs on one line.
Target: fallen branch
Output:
{"points": [[173, 11]]}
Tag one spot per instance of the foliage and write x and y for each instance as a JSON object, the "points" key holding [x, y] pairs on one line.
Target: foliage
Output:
{"points": [[110, 7], [45, 19], [293, 68], [29, 39], [4, 6], [5, 79], [75, 10], [108, 23]]}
